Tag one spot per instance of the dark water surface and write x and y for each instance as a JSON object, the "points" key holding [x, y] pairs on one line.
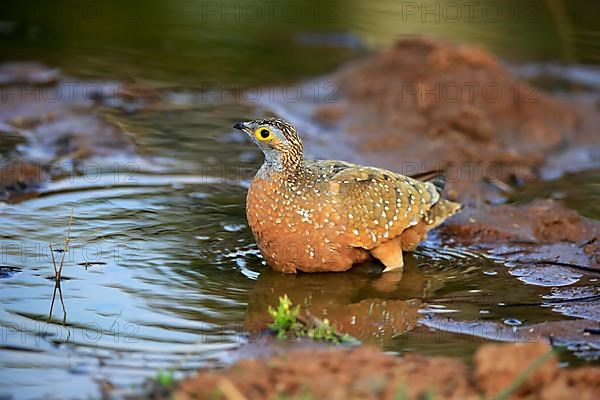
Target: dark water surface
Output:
{"points": [[173, 277]]}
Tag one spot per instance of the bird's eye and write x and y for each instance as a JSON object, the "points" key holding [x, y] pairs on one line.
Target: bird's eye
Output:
{"points": [[263, 134]]}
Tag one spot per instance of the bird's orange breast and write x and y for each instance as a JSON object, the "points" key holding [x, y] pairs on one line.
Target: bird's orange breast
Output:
{"points": [[299, 228]]}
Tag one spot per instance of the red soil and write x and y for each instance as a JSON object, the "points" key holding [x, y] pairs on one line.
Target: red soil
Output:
{"points": [[368, 373]]}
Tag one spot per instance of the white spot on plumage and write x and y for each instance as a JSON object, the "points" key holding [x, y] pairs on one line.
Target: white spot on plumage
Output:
{"points": [[373, 237]]}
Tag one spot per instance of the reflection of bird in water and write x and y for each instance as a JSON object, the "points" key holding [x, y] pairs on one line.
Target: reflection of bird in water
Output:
{"points": [[353, 302], [316, 216]]}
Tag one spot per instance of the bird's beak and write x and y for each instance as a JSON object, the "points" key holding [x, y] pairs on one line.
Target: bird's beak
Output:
{"points": [[242, 126]]}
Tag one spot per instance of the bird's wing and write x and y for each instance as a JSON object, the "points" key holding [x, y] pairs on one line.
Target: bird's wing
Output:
{"points": [[380, 204]]}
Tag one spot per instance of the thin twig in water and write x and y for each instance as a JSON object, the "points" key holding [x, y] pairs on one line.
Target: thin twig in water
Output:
{"points": [[62, 303], [67, 240], [53, 261], [58, 272], [52, 303], [60, 296], [591, 241]]}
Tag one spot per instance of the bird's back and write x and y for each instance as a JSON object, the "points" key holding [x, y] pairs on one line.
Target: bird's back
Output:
{"points": [[377, 204]]}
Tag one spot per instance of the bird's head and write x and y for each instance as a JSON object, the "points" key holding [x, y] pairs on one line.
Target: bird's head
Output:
{"points": [[278, 140]]}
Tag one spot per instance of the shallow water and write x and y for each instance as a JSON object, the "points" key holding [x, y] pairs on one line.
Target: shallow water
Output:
{"points": [[162, 271]]}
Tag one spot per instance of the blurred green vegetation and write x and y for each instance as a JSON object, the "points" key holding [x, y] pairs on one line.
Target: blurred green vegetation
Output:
{"points": [[259, 41]]}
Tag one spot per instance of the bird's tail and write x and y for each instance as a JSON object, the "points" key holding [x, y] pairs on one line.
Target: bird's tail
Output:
{"points": [[443, 209], [437, 177]]}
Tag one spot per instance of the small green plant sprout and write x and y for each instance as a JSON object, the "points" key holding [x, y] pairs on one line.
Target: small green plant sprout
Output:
{"points": [[324, 331], [285, 319], [287, 322], [165, 378]]}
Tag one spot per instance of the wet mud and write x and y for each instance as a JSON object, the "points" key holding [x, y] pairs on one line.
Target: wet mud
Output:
{"points": [[368, 373], [541, 231]]}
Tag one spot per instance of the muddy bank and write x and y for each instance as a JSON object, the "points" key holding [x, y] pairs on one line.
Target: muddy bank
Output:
{"points": [[424, 103], [451, 97], [544, 232], [367, 373]]}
